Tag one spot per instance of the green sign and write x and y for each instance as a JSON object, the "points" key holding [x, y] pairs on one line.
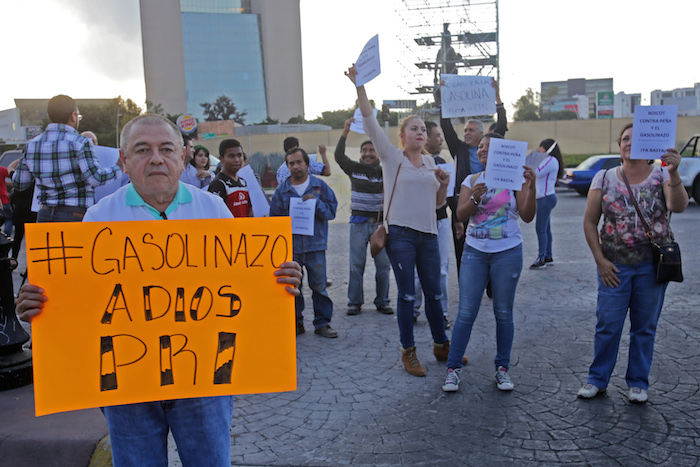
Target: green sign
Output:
{"points": [[606, 98], [606, 104], [208, 135]]}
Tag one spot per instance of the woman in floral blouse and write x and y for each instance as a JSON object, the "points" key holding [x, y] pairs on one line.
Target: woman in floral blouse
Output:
{"points": [[623, 255]]}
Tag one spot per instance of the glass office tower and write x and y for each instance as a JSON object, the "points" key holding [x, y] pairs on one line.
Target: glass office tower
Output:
{"points": [[223, 56]]}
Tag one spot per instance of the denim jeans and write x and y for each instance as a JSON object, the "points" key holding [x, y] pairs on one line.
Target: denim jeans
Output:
{"points": [[503, 269], [359, 238], [639, 293], [59, 214], [409, 249], [7, 228], [444, 236], [315, 264], [543, 225], [201, 428]]}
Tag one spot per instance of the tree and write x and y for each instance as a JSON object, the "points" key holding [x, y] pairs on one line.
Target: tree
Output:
{"points": [[268, 121], [559, 115], [528, 106], [223, 109], [297, 120], [103, 120], [334, 118]]}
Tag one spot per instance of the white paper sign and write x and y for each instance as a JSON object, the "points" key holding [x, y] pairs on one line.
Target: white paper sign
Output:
{"points": [[367, 64], [654, 131], [504, 167], [107, 157], [261, 207], [356, 126], [450, 186], [466, 96], [302, 214]]}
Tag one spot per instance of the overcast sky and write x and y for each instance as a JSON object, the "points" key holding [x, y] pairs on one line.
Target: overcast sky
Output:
{"points": [[92, 49]]}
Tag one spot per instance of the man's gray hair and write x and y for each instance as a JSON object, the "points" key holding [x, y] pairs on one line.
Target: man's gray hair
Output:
{"points": [[149, 119], [479, 125]]}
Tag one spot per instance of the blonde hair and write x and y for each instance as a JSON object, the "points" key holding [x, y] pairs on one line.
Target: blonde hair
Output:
{"points": [[404, 124]]}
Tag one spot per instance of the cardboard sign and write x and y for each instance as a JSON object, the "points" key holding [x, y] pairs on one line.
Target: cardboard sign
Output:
{"points": [[107, 157], [505, 165], [654, 131], [357, 125], [450, 168], [467, 96], [367, 65], [146, 311], [261, 206], [302, 214]]}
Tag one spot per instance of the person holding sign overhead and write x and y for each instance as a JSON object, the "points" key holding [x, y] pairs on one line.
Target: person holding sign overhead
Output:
{"points": [[466, 160], [494, 252], [152, 153], [623, 255], [311, 203], [414, 187]]}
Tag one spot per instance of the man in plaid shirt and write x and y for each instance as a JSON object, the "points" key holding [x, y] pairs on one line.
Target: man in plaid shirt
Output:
{"points": [[63, 164]]}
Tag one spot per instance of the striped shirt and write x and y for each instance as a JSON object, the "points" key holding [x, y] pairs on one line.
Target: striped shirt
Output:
{"points": [[64, 167]]}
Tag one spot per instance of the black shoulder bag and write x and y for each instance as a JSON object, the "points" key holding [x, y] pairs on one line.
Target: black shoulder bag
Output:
{"points": [[667, 256]]}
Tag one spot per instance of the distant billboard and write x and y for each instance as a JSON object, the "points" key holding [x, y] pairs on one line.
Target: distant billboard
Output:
{"points": [[605, 107], [400, 104]]}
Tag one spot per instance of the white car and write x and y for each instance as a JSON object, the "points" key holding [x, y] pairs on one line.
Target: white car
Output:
{"points": [[689, 170]]}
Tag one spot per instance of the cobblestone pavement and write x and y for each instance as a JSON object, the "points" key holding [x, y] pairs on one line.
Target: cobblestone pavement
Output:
{"points": [[356, 405]]}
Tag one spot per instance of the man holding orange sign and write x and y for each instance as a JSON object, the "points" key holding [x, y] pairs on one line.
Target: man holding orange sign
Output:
{"points": [[152, 154]]}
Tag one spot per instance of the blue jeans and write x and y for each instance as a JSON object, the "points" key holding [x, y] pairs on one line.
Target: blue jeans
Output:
{"points": [[543, 225], [7, 228], [359, 238], [503, 269], [639, 293], [60, 214], [409, 249], [315, 264], [444, 236], [201, 428]]}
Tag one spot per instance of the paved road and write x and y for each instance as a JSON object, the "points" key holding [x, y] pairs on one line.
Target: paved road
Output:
{"points": [[355, 404]]}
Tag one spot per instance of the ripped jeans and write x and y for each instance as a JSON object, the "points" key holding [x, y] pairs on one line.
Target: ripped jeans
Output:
{"points": [[409, 249], [503, 268]]}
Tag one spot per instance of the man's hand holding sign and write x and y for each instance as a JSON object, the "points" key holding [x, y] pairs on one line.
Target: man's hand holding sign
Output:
{"points": [[153, 312]]}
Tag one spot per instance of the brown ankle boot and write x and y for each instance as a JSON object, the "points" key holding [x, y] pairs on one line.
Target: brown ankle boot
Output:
{"points": [[442, 351], [410, 361]]}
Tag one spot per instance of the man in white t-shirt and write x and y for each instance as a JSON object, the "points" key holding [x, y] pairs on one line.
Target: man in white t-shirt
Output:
{"points": [[310, 249]]}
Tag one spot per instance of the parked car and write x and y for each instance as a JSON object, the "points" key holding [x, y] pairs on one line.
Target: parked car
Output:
{"points": [[689, 170], [580, 178], [8, 157]]}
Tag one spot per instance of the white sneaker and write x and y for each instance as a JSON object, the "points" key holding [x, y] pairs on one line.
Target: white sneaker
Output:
{"points": [[451, 380], [638, 395], [589, 391], [503, 380]]}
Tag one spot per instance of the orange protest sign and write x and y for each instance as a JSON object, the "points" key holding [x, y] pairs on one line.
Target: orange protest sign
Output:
{"points": [[145, 311]]}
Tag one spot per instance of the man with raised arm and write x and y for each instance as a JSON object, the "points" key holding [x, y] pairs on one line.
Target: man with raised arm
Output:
{"points": [[63, 164], [366, 196], [466, 162]]}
